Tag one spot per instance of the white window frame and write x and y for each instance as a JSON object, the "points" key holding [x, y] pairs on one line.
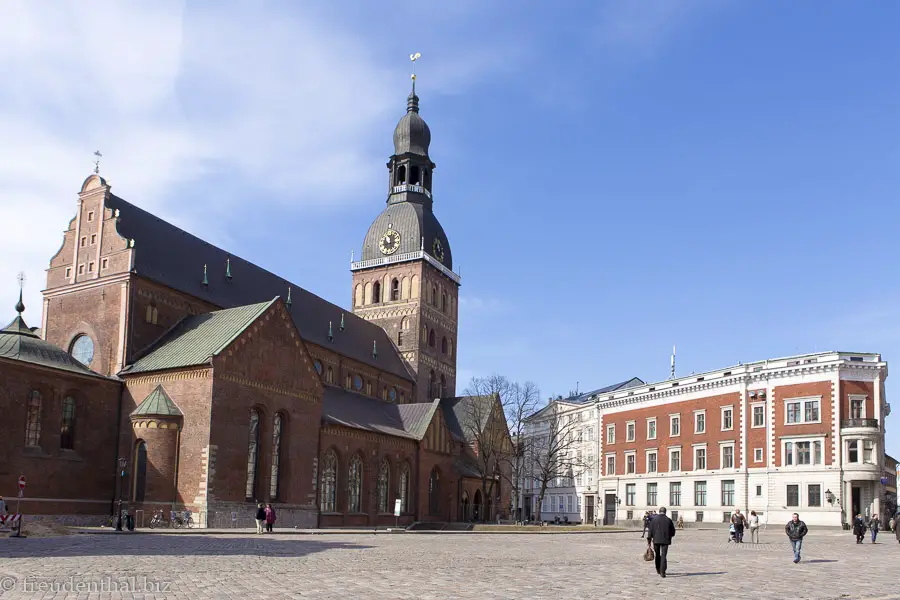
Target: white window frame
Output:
{"points": [[759, 490], [802, 402], [799, 494], [793, 440], [609, 455], [758, 452], [680, 459], [696, 413], [655, 428], [630, 431], [633, 455], [861, 398], [862, 451], [722, 446], [647, 454], [672, 418], [722, 418], [753, 408], [694, 449], [611, 433]]}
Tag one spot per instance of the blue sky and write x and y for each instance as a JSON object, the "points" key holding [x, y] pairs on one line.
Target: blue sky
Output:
{"points": [[614, 176]]}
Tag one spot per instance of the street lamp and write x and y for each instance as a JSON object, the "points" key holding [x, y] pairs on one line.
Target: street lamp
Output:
{"points": [[123, 462], [829, 496]]}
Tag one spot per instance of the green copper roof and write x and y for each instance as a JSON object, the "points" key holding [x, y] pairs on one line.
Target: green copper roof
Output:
{"points": [[157, 403], [196, 339]]}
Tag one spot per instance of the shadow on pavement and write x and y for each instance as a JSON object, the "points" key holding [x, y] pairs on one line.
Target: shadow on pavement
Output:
{"points": [[819, 560], [181, 545], [695, 574]]}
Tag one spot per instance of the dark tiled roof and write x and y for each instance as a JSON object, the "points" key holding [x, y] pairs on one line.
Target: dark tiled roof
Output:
{"points": [[157, 403], [18, 342], [343, 407], [592, 395], [194, 340], [418, 228], [462, 412], [175, 258]]}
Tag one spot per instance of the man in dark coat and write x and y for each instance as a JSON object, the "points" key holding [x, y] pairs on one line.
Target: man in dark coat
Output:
{"points": [[662, 530]]}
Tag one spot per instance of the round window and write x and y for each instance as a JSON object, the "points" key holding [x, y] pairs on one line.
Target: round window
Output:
{"points": [[357, 382], [393, 394], [82, 350], [318, 365]]}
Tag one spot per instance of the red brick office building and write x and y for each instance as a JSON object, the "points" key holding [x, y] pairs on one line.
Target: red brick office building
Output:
{"points": [[223, 384]]}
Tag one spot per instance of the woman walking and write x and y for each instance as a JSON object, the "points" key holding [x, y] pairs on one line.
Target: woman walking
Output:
{"points": [[260, 517], [859, 529], [270, 517], [874, 525], [754, 527]]}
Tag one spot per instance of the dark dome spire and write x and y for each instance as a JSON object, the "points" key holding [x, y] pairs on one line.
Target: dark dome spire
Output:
{"points": [[412, 134], [20, 306]]}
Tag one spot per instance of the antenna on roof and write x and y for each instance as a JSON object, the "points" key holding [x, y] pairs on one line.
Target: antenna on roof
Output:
{"points": [[672, 373]]}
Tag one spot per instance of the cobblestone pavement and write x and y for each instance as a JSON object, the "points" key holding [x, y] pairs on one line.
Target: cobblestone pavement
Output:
{"points": [[430, 566]]}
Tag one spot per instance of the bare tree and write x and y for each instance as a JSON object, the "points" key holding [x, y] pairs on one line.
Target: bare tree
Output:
{"points": [[520, 401], [553, 450], [487, 433]]}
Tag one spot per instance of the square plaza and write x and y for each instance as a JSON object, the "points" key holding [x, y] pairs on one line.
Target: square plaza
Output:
{"points": [[702, 564]]}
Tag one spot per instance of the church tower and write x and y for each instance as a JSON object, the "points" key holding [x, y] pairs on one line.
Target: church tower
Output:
{"points": [[404, 281]]}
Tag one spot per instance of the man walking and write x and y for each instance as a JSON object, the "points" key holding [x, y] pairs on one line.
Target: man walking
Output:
{"points": [[739, 521], [796, 530], [662, 530]]}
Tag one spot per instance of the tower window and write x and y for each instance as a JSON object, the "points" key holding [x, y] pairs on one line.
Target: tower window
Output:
{"points": [[431, 382], [431, 338], [434, 295], [404, 323], [395, 289], [443, 386], [444, 346], [426, 179], [401, 175], [414, 176], [400, 338], [376, 292], [444, 301]]}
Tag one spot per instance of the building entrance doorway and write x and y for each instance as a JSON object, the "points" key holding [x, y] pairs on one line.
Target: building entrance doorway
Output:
{"points": [[588, 509], [856, 497], [609, 515]]}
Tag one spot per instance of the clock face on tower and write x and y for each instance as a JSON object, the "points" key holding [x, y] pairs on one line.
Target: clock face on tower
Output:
{"points": [[389, 242], [438, 249]]}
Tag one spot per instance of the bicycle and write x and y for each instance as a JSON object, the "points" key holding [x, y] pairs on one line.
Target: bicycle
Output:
{"points": [[158, 520]]}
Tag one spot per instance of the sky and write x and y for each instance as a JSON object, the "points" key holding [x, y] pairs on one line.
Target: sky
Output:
{"points": [[615, 176]]}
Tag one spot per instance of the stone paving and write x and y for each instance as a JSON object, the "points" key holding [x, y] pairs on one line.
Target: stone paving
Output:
{"points": [[434, 566]]}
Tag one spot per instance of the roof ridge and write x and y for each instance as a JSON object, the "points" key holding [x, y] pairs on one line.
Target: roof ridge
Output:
{"points": [[264, 306]]}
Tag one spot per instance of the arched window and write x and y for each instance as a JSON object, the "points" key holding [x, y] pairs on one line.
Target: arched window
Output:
{"points": [[358, 295], [354, 485], [67, 429], [403, 488], [384, 393], [443, 345], [434, 493], [140, 472], [329, 375], [414, 176], [443, 386], [155, 316], [401, 175], [395, 289], [431, 383], [277, 425], [450, 348], [434, 295], [399, 338], [33, 419], [252, 455], [444, 301], [431, 341], [426, 179], [404, 323], [149, 315], [328, 496], [376, 292], [384, 479]]}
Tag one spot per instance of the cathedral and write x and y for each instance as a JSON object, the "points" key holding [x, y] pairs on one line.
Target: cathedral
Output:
{"points": [[172, 374]]}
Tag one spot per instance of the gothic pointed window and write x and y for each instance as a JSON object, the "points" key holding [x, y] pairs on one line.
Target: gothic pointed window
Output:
{"points": [[328, 495], [434, 493], [403, 488], [329, 375], [354, 485], [431, 383], [277, 425], [376, 292], [67, 428], [444, 345], [431, 340], [252, 455], [395, 289], [33, 419], [450, 348], [140, 472], [443, 386], [384, 480]]}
